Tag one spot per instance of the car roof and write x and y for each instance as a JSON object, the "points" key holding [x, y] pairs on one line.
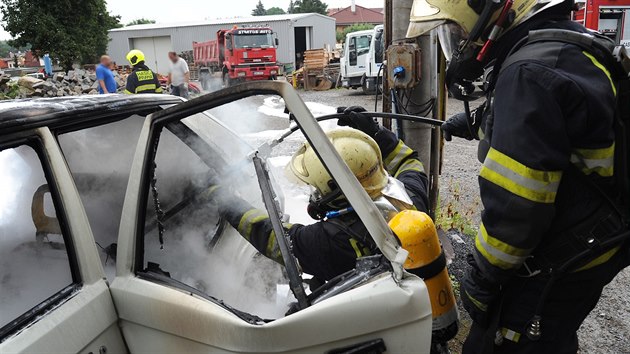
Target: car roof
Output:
{"points": [[66, 112]]}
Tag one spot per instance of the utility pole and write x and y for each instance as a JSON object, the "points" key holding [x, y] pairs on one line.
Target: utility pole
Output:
{"points": [[418, 136]]}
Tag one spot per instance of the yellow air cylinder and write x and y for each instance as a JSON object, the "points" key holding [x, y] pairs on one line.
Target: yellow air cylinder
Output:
{"points": [[417, 234]]}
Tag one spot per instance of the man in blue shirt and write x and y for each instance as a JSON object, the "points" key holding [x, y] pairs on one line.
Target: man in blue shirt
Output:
{"points": [[105, 77]]}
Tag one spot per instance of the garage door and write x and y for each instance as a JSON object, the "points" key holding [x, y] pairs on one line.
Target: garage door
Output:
{"points": [[155, 50]]}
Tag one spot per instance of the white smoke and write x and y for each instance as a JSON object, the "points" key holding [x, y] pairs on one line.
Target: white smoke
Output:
{"points": [[100, 159], [30, 271]]}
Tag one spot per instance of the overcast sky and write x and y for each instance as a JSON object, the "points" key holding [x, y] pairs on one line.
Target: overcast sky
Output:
{"points": [[168, 11]]}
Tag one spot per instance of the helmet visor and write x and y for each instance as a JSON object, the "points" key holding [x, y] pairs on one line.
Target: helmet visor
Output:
{"points": [[451, 37]]}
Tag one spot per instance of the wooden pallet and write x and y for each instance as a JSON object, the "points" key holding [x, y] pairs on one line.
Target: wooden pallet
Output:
{"points": [[316, 58]]}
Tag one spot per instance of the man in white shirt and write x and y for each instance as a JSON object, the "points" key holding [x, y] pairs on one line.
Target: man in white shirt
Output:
{"points": [[179, 75]]}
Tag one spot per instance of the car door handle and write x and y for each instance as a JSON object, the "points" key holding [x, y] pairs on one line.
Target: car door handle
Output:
{"points": [[101, 350], [375, 346]]}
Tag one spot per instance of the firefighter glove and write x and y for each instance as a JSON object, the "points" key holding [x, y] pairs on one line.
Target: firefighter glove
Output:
{"points": [[462, 126], [354, 118], [478, 294]]}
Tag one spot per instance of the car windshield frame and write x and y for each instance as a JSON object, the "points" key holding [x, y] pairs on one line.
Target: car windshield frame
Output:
{"points": [[393, 254]]}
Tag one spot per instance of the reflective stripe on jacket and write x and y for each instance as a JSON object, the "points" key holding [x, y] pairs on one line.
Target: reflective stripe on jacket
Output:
{"points": [[553, 106], [142, 80]]}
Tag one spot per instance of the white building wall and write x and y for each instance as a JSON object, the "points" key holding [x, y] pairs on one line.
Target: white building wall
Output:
{"points": [[182, 36]]}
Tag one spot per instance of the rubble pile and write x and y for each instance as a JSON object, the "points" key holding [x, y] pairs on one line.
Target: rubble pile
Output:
{"points": [[72, 83]]}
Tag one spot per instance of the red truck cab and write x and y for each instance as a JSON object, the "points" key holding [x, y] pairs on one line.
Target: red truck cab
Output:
{"points": [[240, 54]]}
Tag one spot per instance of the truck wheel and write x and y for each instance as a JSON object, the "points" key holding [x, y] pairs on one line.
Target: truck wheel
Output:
{"points": [[368, 86], [227, 82]]}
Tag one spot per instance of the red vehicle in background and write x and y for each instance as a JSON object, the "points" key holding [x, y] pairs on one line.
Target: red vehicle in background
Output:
{"points": [[239, 54], [610, 17]]}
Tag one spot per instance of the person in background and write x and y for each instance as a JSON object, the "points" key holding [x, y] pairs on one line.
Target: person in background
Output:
{"points": [[48, 65], [179, 75], [105, 77], [142, 79]]}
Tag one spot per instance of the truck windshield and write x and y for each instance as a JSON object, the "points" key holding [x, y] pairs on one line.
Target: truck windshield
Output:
{"points": [[264, 40]]}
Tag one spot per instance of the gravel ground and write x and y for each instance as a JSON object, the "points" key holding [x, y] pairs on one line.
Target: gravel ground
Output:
{"points": [[605, 331]]}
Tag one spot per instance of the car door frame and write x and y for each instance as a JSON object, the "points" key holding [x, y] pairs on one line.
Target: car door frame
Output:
{"points": [[84, 320], [155, 316]]}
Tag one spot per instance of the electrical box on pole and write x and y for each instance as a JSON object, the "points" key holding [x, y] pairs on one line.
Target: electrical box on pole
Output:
{"points": [[403, 63]]}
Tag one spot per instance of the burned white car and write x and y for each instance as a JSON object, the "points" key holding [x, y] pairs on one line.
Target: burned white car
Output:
{"points": [[105, 247]]}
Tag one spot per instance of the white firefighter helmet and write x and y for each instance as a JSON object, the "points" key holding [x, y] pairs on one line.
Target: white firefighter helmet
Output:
{"points": [[358, 150]]}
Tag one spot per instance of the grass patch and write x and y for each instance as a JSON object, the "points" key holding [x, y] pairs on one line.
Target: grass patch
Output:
{"points": [[452, 214]]}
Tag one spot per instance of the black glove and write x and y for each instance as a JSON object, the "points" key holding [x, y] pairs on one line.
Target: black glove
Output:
{"points": [[463, 126], [478, 294], [354, 119]]}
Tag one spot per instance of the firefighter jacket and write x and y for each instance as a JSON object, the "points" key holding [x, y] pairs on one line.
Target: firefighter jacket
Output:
{"points": [[329, 248], [142, 80], [548, 118]]}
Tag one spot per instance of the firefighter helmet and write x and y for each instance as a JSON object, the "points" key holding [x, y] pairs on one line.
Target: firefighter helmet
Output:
{"points": [[135, 56], [359, 151], [429, 14]]}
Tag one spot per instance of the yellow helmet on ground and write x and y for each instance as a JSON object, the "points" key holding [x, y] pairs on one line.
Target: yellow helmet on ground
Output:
{"points": [[359, 151], [135, 56]]}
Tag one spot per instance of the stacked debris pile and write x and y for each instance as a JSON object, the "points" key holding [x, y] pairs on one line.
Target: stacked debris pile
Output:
{"points": [[320, 71], [72, 83]]}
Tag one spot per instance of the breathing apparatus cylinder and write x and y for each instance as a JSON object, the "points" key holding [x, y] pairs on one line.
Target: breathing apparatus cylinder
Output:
{"points": [[417, 234]]}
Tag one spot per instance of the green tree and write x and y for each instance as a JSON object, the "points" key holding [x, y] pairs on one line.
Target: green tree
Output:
{"points": [[275, 11], [341, 35], [259, 10], [308, 6], [291, 9], [140, 21], [77, 36]]}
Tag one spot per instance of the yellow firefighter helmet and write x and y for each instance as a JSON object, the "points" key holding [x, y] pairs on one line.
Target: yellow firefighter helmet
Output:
{"points": [[359, 151], [135, 56], [429, 14]]}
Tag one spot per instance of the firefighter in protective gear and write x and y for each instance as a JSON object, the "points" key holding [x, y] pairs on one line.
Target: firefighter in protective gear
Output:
{"points": [[142, 79], [547, 148], [328, 248]]}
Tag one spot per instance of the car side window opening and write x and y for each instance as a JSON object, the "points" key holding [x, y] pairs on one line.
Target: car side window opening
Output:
{"points": [[199, 248], [35, 261], [100, 160]]}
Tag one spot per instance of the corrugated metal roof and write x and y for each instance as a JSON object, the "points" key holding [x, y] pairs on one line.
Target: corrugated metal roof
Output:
{"points": [[220, 21]]}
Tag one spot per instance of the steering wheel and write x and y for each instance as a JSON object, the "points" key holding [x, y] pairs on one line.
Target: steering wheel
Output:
{"points": [[193, 198]]}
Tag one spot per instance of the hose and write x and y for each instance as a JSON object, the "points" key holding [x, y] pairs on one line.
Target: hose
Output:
{"points": [[424, 120]]}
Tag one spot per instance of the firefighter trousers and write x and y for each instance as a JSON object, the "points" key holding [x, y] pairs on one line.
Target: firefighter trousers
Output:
{"points": [[570, 300]]}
